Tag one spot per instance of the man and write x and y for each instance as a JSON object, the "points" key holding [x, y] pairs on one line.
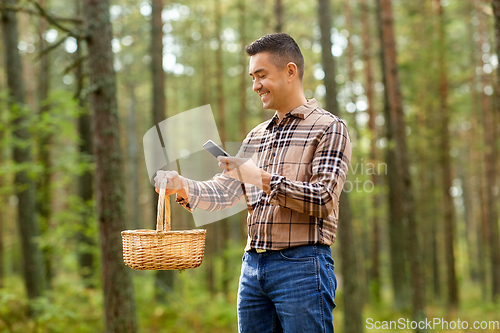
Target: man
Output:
{"points": [[293, 184]]}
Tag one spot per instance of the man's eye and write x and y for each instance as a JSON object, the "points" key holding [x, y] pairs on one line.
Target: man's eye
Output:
{"points": [[263, 76]]}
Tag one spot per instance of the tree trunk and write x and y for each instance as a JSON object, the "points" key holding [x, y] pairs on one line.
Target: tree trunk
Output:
{"points": [[325, 25], [206, 85], [133, 157], [397, 227], [368, 73], [353, 305], [496, 13], [491, 188], [432, 200], [208, 261], [158, 74], [396, 120], [423, 188], [2, 196], [244, 74], [44, 194], [266, 18], [278, 12], [352, 300], [492, 171], [361, 240], [476, 168], [119, 303], [86, 260], [351, 73], [243, 99], [29, 67], [221, 112], [223, 226], [448, 207], [483, 230], [469, 232], [29, 229], [164, 280], [428, 216], [480, 217]]}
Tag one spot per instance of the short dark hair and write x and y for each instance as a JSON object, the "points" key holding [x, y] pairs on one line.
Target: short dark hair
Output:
{"points": [[283, 48]]}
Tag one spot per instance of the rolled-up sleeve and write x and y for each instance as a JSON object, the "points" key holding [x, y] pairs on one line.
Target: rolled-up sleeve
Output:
{"points": [[330, 165], [216, 194]]}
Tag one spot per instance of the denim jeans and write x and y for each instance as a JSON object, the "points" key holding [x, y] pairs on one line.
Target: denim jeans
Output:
{"points": [[291, 290]]}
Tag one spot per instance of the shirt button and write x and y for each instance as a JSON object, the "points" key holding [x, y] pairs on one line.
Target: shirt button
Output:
{"points": [[255, 237]]}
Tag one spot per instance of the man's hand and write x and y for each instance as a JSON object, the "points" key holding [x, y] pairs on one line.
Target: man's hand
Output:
{"points": [[171, 181], [245, 170]]}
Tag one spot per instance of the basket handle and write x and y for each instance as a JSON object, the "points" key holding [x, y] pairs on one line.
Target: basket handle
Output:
{"points": [[163, 219]]}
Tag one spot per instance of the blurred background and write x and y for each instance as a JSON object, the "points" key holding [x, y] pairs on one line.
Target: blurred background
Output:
{"points": [[415, 81]]}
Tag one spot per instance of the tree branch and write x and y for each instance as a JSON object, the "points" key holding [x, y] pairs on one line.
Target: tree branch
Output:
{"points": [[75, 63], [53, 21], [79, 88], [51, 47], [75, 20]]}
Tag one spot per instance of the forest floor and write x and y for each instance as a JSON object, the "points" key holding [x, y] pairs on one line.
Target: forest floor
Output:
{"points": [[191, 308]]}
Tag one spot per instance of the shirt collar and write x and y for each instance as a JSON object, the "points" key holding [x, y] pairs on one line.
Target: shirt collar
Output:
{"points": [[302, 112]]}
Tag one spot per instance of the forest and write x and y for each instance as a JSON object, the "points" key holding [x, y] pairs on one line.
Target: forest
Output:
{"points": [[81, 82]]}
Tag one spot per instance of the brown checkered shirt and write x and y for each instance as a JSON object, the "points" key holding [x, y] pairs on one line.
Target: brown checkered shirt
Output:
{"points": [[308, 155]]}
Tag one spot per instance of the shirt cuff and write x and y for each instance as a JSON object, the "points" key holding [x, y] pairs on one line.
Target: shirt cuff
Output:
{"points": [[276, 182], [184, 203], [191, 202]]}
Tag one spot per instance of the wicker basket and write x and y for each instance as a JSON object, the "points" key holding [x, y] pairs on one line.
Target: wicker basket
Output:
{"points": [[162, 249]]}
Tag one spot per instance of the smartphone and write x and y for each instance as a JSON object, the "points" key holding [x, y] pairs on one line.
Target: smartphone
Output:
{"points": [[214, 149]]}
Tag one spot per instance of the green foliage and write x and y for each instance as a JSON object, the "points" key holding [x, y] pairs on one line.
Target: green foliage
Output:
{"points": [[68, 307], [190, 307], [472, 310], [190, 38]]}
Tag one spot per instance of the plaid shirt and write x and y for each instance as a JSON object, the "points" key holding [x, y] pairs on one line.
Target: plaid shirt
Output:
{"points": [[308, 155]]}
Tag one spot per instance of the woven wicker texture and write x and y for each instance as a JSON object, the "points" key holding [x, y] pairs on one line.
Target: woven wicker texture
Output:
{"points": [[163, 249]]}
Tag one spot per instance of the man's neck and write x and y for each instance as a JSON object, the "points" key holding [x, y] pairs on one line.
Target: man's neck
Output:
{"points": [[300, 100]]}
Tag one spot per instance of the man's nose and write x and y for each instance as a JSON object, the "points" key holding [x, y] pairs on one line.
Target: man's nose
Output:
{"points": [[256, 85]]}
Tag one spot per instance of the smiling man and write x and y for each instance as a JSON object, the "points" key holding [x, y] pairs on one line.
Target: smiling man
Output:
{"points": [[293, 183]]}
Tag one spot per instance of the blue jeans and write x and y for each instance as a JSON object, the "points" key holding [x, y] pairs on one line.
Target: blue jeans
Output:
{"points": [[291, 290]]}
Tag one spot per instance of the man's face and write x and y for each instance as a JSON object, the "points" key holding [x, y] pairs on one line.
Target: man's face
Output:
{"points": [[268, 81]]}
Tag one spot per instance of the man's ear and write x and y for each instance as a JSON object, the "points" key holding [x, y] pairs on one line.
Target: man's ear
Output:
{"points": [[291, 69]]}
